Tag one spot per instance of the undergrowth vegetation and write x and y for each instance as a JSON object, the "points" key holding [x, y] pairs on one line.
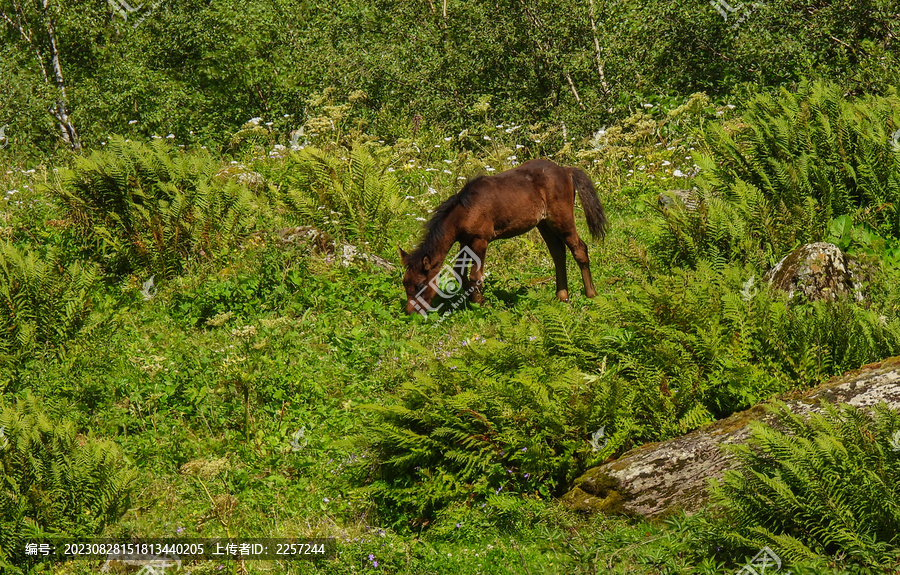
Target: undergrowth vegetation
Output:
{"points": [[258, 374], [147, 208], [818, 485], [55, 481]]}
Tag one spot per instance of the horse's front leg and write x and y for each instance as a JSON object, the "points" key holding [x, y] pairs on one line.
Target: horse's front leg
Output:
{"points": [[475, 284]]}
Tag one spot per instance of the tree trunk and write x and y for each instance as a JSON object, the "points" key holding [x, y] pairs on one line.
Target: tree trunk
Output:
{"points": [[597, 51], [60, 109]]}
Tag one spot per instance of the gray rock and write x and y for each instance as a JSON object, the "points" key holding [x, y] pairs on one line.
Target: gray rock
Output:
{"points": [[688, 199], [819, 271], [240, 173], [335, 252], [350, 253], [661, 478]]}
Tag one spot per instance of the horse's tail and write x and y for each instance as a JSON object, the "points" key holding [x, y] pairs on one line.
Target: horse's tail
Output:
{"points": [[593, 209]]}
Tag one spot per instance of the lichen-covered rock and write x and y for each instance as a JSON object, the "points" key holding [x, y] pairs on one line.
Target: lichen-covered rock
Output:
{"points": [[819, 271], [335, 252], [688, 199], [660, 478]]}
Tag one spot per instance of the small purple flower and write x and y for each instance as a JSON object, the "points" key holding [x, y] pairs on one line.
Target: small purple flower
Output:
{"points": [[458, 525], [524, 449], [527, 475], [179, 530], [325, 499], [220, 567], [532, 337], [371, 557], [374, 563]]}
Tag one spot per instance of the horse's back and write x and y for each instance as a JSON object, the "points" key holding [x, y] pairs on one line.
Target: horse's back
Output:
{"points": [[514, 201]]}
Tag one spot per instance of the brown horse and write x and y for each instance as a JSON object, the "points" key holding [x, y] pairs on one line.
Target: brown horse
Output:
{"points": [[537, 193]]}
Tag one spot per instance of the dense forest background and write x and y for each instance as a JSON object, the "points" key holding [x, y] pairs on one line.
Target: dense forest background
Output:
{"points": [[199, 70]]}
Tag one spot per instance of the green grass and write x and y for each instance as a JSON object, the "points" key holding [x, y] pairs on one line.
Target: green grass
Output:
{"points": [[204, 385]]}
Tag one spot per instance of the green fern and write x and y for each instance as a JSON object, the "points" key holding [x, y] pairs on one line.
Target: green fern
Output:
{"points": [[827, 485], [352, 197], [42, 303], [149, 208], [55, 481], [774, 180], [510, 417]]}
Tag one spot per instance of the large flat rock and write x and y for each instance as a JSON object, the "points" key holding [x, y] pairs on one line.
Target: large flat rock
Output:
{"points": [[660, 478]]}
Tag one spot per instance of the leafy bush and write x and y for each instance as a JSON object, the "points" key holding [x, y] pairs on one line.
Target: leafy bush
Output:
{"points": [[826, 485], [42, 303], [149, 208], [352, 197], [55, 481]]}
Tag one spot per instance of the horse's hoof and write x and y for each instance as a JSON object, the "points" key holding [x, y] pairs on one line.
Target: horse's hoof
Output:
{"points": [[563, 295]]}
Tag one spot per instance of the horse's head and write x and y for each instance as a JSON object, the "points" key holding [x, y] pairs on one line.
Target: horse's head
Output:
{"points": [[419, 272]]}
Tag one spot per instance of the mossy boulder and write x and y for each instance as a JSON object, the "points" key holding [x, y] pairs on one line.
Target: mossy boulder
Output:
{"points": [[817, 271], [657, 479]]}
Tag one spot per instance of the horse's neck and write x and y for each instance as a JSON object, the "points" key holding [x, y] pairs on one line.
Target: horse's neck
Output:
{"points": [[440, 251], [441, 245]]}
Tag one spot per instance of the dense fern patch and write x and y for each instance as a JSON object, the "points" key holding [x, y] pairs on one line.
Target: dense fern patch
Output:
{"points": [[55, 481], [826, 485], [778, 175], [149, 208]]}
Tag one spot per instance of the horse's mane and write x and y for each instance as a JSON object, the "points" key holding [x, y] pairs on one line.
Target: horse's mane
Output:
{"points": [[434, 228]]}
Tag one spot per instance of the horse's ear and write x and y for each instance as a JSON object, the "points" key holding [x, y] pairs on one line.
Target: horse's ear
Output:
{"points": [[403, 254], [426, 262]]}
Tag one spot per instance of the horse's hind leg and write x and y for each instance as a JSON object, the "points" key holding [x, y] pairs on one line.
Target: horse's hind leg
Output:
{"points": [[558, 253], [580, 253]]}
